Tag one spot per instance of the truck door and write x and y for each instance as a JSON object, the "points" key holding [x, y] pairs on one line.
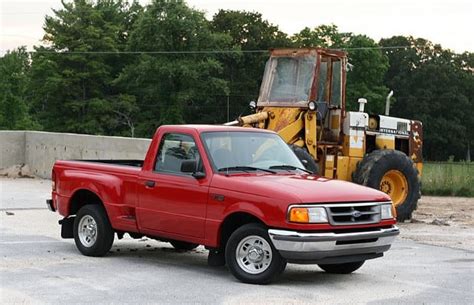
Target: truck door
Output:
{"points": [[171, 201]]}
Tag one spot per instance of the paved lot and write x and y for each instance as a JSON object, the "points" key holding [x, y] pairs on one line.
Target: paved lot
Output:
{"points": [[37, 266]]}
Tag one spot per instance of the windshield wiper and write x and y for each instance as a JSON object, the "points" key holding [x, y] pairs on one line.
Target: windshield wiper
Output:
{"points": [[245, 168], [289, 167]]}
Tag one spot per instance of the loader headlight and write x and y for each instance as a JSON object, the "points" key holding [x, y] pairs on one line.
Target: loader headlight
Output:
{"points": [[386, 211], [312, 106], [308, 215]]}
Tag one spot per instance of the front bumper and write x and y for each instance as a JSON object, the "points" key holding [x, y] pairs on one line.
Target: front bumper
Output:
{"points": [[332, 248]]}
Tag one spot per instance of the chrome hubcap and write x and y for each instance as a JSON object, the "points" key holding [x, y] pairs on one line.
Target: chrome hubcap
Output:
{"points": [[87, 231], [254, 254]]}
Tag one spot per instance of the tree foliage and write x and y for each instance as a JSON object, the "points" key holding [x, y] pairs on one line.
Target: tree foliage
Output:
{"points": [[435, 86], [114, 67], [250, 33], [14, 95], [74, 91], [174, 88]]}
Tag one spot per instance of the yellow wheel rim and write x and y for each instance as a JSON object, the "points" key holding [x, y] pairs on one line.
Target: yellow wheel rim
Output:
{"points": [[395, 184]]}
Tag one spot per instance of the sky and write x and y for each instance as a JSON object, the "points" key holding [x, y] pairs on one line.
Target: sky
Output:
{"points": [[447, 22]]}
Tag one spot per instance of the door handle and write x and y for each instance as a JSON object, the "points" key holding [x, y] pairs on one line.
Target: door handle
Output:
{"points": [[150, 183]]}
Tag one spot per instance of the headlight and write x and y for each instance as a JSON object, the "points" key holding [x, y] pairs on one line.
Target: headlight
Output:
{"points": [[312, 106], [386, 211], [308, 215]]}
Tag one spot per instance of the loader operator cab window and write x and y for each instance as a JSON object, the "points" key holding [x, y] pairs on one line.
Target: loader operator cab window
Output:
{"points": [[290, 78], [174, 149], [330, 82]]}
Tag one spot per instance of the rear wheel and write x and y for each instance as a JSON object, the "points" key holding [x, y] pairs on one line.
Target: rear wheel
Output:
{"points": [[341, 268], [183, 246], [251, 257], [93, 233], [392, 172]]}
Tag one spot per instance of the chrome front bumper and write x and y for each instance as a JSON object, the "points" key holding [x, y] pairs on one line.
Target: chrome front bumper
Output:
{"points": [[332, 248]]}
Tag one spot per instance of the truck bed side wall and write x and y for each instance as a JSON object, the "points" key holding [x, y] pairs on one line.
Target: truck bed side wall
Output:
{"points": [[114, 185]]}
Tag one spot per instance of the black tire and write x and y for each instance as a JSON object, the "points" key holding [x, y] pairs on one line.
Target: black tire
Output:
{"points": [[183, 246], [275, 267], [373, 167], [341, 268], [306, 159], [104, 232]]}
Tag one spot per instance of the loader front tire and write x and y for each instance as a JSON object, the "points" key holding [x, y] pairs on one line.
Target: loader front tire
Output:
{"points": [[306, 159], [392, 172]]}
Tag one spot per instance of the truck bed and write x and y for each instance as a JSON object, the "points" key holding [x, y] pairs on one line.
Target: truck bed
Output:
{"points": [[124, 162], [119, 168]]}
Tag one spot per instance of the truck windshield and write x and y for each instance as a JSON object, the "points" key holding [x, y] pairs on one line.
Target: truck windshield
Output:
{"points": [[246, 151], [288, 79]]}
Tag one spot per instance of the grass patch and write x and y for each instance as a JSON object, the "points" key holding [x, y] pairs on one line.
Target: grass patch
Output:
{"points": [[448, 179]]}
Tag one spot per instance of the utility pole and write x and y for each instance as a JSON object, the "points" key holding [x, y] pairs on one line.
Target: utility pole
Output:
{"points": [[468, 153], [228, 110]]}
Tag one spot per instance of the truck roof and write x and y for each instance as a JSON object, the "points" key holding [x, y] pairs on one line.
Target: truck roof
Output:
{"points": [[208, 128]]}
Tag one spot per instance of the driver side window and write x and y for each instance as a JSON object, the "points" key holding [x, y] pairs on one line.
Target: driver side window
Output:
{"points": [[174, 149]]}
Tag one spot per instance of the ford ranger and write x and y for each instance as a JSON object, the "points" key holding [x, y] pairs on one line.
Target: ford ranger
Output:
{"points": [[240, 192]]}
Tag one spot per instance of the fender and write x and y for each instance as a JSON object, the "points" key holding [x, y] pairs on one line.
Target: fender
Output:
{"points": [[106, 187], [214, 228], [244, 207]]}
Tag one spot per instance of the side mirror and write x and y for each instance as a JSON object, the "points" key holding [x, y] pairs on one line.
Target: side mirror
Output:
{"points": [[190, 167]]}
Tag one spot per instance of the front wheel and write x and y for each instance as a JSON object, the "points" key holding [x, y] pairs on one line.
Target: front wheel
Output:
{"points": [[341, 268], [93, 233], [251, 256]]}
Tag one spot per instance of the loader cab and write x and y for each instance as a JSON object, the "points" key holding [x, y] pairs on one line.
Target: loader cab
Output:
{"points": [[302, 80]]}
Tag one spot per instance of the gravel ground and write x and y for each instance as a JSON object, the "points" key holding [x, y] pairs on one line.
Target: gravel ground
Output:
{"points": [[442, 221]]}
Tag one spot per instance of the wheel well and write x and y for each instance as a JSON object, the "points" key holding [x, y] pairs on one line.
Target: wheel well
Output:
{"points": [[402, 145], [233, 222], [80, 199]]}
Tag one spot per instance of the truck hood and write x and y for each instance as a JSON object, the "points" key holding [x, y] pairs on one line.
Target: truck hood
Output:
{"points": [[298, 188]]}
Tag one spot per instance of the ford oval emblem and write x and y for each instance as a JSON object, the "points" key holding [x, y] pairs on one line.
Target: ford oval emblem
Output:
{"points": [[356, 214]]}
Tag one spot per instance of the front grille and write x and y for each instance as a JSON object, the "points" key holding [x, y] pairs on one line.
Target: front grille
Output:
{"points": [[353, 213]]}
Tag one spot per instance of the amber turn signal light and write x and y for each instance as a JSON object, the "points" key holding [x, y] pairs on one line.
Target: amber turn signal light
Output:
{"points": [[299, 215]]}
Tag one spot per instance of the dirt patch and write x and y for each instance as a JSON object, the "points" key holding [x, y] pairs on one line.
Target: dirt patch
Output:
{"points": [[17, 171], [442, 221]]}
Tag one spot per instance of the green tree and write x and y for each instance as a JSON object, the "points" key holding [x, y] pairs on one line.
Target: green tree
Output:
{"points": [[73, 76], [178, 74], [324, 36], [251, 34], [435, 86], [14, 94], [366, 78]]}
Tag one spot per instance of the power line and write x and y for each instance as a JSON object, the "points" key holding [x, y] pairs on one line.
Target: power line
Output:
{"points": [[151, 52], [196, 52]]}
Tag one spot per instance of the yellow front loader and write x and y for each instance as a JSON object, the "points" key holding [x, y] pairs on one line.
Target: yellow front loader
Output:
{"points": [[302, 97]]}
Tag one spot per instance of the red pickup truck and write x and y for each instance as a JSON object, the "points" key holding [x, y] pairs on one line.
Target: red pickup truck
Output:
{"points": [[240, 192]]}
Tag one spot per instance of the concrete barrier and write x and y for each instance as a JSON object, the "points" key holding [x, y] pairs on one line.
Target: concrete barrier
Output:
{"points": [[12, 148], [39, 150]]}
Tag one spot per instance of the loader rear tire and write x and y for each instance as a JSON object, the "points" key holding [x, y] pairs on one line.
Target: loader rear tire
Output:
{"points": [[392, 172]]}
